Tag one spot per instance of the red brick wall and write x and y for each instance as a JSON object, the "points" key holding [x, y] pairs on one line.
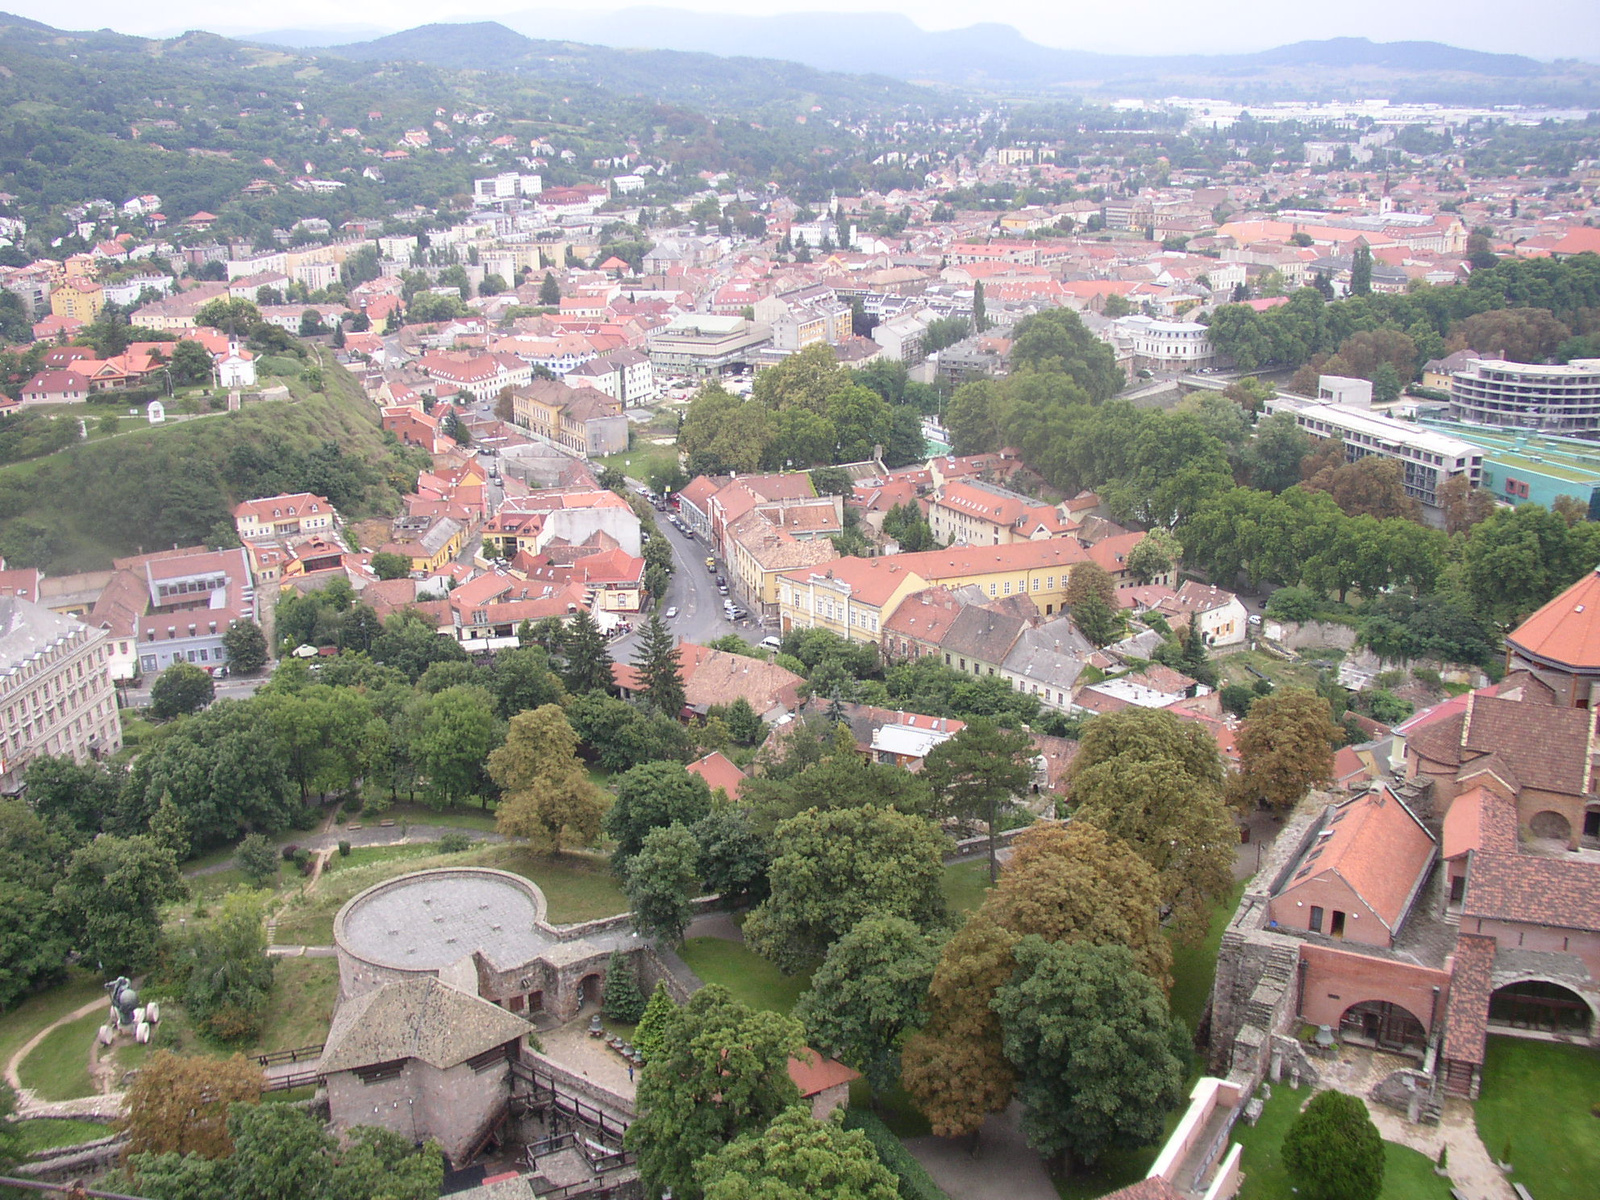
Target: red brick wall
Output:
{"points": [[1292, 910], [1514, 935], [1337, 979]]}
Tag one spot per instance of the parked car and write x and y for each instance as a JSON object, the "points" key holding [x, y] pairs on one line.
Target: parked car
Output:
{"points": [[670, 613], [771, 643], [723, 588]]}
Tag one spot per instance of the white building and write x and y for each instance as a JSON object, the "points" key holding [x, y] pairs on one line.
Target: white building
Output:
{"points": [[1550, 399], [506, 186], [1427, 457], [902, 337], [1167, 345], [55, 689]]}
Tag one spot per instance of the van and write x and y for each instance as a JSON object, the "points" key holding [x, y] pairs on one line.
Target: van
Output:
{"points": [[771, 643]]}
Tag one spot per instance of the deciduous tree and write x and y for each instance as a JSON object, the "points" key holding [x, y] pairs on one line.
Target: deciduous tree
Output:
{"points": [[181, 689], [839, 866], [245, 646], [653, 796], [548, 799], [1099, 1059], [797, 1157], [867, 996], [660, 882], [179, 1103], [1285, 746], [721, 1071], [111, 896], [979, 773]]}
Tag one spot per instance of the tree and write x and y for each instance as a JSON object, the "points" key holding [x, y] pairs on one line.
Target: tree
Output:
{"points": [[979, 773], [549, 291], [1333, 1151], [980, 313], [867, 996], [734, 858], [1089, 579], [1155, 555], [621, 1000], [179, 1104], [388, 565], [1385, 384], [257, 859], [660, 882], [1096, 620], [659, 668], [1155, 782], [721, 1072], [181, 689], [230, 976], [955, 1067], [588, 663], [839, 866], [1285, 746], [457, 734], [1361, 270], [190, 364], [745, 725], [1272, 459], [1100, 1060], [110, 897], [653, 796], [1517, 560], [245, 645], [797, 1158], [1464, 505], [548, 799], [650, 1035]]}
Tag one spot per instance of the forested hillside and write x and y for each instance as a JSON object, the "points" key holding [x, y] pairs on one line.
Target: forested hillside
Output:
{"points": [[177, 483]]}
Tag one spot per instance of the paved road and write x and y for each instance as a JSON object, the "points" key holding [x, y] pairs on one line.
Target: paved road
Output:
{"points": [[693, 592], [231, 688]]}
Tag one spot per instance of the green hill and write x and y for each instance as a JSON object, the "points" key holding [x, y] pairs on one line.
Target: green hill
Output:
{"points": [[177, 483]]}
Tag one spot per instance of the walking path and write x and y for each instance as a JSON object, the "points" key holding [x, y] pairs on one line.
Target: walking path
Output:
{"points": [[29, 1105], [999, 1167], [375, 835]]}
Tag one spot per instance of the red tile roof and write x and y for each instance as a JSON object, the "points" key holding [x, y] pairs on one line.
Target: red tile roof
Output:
{"points": [[719, 771], [1471, 981], [814, 1073], [1566, 631]]}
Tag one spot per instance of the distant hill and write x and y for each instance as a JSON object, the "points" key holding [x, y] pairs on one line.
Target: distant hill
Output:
{"points": [[698, 78], [997, 57]]}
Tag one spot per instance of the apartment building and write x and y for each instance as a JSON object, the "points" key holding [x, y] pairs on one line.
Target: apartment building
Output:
{"points": [[974, 513], [55, 689], [1533, 396]]}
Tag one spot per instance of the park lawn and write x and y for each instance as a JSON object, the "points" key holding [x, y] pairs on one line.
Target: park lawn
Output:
{"points": [[964, 885], [217, 884], [456, 817], [750, 978], [1557, 1155], [58, 1067], [1407, 1174], [638, 462], [47, 1133], [47, 1007], [362, 856], [576, 886], [300, 1008], [1235, 668]]}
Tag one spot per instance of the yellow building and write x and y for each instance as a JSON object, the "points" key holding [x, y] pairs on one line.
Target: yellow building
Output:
{"points": [[759, 552], [849, 597], [80, 299]]}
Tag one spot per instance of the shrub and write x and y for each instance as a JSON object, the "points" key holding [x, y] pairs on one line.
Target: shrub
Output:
{"points": [[290, 851], [344, 849], [1427, 676], [1390, 679], [453, 842], [302, 859], [1333, 1151], [912, 1177]]}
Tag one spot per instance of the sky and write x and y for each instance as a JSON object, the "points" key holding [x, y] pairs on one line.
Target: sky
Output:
{"points": [[1539, 28]]}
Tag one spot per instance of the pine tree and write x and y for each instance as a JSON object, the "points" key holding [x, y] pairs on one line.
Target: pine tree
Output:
{"points": [[980, 315], [660, 669], [658, 1013], [621, 999], [588, 666], [1361, 270], [549, 291]]}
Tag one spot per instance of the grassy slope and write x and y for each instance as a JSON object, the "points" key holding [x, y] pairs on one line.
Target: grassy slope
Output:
{"points": [[343, 414], [38, 1011], [752, 980], [58, 1067]]}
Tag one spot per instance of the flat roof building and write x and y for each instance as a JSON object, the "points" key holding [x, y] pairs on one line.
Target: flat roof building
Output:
{"points": [[1537, 396]]}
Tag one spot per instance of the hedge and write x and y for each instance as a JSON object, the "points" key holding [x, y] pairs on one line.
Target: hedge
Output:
{"points": [[915, 1182]]}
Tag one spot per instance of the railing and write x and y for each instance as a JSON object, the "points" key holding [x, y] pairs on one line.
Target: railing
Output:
{"points": [[605, 1124], [288, 1083], [295, 1055]]}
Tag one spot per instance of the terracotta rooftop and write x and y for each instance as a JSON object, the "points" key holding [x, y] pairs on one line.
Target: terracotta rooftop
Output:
{"points": [[815, 1073], [1533, 890], [719, 771], [1471, 981], [1548, 747], [1566, 631]]}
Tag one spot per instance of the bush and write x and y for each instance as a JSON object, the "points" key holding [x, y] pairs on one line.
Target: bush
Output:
{"points": [[453, 842], [1333, 1151], [290, 851], [1237, 698], [302, 859], [914, 1181], [1427, 676], [344, 849], [256, 859]]}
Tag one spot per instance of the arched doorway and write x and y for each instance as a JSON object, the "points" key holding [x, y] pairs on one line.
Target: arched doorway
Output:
{"points": [[1542, 1006], [1383, 1025], [589, 990], [1552, 825]]}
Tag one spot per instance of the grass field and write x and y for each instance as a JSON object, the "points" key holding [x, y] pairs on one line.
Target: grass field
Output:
{"points": [[750, 978], [638, 462], [58, 1067], [36, 1012], [964, 885], [1407, 1175], [303, 992], [1195, 966], [48, 1133], [1556, 1154]]}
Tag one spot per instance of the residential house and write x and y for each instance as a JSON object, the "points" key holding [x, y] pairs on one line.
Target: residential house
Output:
{"points": [[577, 418], [850, 597], [78, 299], [712, 678], [56, 387], [624, 375], [428, 540], [1047, 660], [191, 595], [528, 524], [971, 512], [895, 737], [758, 549], [284, 516], [719, 772]]}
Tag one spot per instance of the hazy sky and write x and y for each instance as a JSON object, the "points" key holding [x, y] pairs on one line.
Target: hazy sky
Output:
{"points": [[1541, 28]]}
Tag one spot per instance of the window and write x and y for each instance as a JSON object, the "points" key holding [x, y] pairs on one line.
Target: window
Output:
{"points": [[378, 1072], [1316, 918]]}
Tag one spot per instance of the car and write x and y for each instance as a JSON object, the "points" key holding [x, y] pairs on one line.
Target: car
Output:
{"points": [[670, 613], [771, 643], [737, 614], [723, 588]]}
